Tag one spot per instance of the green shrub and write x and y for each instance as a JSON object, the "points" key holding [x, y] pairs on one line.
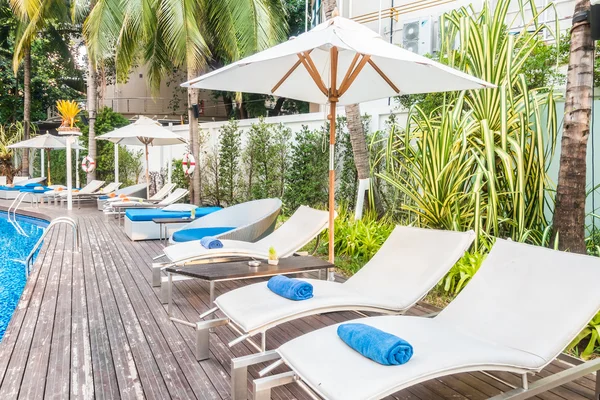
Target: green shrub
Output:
{"points": [[591, 333], [462, 272]]}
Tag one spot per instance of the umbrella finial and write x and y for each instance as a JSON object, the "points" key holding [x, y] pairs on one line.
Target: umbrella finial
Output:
{"points": [[335, 13]]}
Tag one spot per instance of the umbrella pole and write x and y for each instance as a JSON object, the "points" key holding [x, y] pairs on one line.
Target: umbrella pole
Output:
{"points": [[147, 175], [332, 124], [48, 166]]}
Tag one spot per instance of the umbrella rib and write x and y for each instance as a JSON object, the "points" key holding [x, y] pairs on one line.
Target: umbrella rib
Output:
{"points": [[384, 76], [312, 71], [350, 69], [359, 67], [287, 75]]}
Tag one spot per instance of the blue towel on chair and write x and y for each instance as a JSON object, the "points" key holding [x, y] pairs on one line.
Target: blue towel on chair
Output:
{"points": [[381, 347], [293, 289], [211, 242]]}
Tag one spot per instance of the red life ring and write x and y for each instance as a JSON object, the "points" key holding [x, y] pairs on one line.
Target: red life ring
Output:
{"points": [[88, 164], [188, 164]]}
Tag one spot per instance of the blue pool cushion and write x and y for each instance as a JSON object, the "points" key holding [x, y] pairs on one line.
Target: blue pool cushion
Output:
{"points": [[36, 191], [11, 189], [377, 345], [148, 214], [32, 185], [187, 235]]}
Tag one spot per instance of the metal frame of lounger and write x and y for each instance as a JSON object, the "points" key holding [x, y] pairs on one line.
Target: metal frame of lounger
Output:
{"points": [[396, 246], [262, 386]]}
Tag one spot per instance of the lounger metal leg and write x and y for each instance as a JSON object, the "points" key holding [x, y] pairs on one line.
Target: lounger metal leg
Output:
{"points": [[157, 273], [524, 382], [239, 372], [212, 294], [263, 341], [553, 381], [597, 394], [263, 386], [169, 292], [202, 345]]}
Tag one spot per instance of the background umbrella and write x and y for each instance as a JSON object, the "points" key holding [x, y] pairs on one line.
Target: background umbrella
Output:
{"points": [[143, 132], [337, 62], [46, 142]]}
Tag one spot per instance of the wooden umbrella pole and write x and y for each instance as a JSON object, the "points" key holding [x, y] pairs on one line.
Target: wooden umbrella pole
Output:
{"points": [[333, 99]]}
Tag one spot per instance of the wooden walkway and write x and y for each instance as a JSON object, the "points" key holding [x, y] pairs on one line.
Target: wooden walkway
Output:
{"points": [[90, 325]]}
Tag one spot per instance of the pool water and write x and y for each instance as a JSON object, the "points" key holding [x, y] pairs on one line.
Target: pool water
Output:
{"points": [[16, 241]]}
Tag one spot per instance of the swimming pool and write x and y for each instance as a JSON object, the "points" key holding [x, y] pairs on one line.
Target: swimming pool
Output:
{"points": [[16, 241]]}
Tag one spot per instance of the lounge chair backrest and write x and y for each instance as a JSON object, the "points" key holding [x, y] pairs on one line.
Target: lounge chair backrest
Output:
{"points": [[174, 197], [410, 263], [163, 192], [130, 190], [111, 187], [528, 298], [2, 180], [302, 227], [18, 180], [91, 187]]}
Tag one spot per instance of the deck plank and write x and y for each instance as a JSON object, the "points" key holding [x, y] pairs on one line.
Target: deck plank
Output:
{"points": [[90, 325]]}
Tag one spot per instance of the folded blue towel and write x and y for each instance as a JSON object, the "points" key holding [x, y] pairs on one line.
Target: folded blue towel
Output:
{"points": [[211, 242], [293, 289], [381, 347]]}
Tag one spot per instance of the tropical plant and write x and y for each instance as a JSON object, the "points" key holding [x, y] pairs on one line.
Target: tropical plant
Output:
{"points": [[480, 160], [591, 333], [9, 135], [462, 272], [230, 147], [68, 110], [187, 34]]}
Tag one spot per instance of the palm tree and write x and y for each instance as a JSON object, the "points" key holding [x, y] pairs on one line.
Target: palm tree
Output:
{"points": [[34, 16], [569, 213], [185, 34], [354, 122]]}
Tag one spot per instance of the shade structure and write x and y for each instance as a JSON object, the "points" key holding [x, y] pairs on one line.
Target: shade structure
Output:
{"points": [[337, 62], [143, 132], [47, 142]]}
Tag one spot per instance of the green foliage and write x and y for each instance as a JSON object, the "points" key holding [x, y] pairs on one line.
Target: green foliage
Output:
{"points": [[9, 134], [306, 178], [178, 177], [589, 337], [480, 160], [462, 272], [266, 160], [230, 147], [131, 165]]}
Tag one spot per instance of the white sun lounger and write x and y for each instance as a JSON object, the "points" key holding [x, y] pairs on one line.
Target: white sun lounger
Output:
{"points": [[12, 193], [108, 189], [129, 191], [157, 197], [302, 227], [62, 195], [395, 279], [518, 313], [250, 221]]}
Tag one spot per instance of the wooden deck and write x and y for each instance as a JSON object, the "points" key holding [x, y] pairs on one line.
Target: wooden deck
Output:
{"points": [[90, 325]]}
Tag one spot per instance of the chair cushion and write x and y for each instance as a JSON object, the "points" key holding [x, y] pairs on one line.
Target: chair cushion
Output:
{"points": [[37, 190], [179, 207], [11, 188], [337, 372], [147, 214], [185, 235]]}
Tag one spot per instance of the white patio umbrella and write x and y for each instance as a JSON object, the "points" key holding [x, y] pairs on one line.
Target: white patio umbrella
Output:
{"points": [[337, 62], [45, 142], [143, 132]]}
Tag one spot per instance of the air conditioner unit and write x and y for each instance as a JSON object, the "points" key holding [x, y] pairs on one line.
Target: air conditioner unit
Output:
{"points": [[417, 36]]}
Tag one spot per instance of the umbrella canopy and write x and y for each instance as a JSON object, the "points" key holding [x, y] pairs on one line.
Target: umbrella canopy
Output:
{"points": [[143, 132], [337, 62], [46, 141], [367, 67]]}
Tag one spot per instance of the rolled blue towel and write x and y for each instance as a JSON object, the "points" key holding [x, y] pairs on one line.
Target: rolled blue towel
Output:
{"points": [[293, 289], [211, 242], [381, 347]]}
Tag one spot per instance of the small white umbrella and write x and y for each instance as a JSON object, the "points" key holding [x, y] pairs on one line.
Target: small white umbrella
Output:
{"points": [[143, 132], [337, 62], [46, 142]]}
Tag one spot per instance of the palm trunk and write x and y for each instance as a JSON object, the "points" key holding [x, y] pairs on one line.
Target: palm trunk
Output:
{"points": [[358, 140], [26, 107], [193, 123], [569, 214], [91, 106]]}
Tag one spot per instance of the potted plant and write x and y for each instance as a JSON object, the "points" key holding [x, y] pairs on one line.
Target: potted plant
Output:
{"points": [[273, 260], [68, 110]]}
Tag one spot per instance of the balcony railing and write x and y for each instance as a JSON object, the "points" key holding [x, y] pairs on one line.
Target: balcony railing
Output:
{"points": [[395, 12]]}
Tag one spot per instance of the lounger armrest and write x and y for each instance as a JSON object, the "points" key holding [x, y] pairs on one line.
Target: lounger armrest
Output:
{"points": [[553, 381]]}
